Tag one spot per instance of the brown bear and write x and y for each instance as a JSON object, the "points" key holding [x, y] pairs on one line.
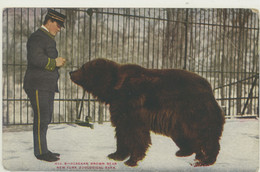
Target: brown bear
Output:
{"points": [[172, 102]]}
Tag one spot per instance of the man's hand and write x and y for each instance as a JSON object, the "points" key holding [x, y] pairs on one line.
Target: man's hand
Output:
{"points": [[60, 61]]}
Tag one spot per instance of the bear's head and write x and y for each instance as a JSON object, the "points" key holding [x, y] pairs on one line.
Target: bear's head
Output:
{"points": [[98, 77]]}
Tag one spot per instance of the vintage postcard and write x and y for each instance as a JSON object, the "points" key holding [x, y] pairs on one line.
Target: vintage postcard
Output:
{"points": [[130, 89]]}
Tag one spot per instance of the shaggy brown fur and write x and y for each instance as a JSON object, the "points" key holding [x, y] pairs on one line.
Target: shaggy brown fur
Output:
{"points": [[172, 102]]}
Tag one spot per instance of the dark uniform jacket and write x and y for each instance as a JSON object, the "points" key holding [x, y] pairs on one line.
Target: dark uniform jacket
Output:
{"points": [[41, 73]]}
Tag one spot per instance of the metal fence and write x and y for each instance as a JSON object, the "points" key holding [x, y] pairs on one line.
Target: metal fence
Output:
{"points": [[218, 44]]}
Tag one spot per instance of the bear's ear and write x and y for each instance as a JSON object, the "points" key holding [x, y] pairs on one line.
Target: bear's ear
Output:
{"points": [[120, 81]]}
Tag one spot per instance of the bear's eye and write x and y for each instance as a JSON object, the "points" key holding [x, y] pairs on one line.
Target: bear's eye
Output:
{"points": [[83, 68]]}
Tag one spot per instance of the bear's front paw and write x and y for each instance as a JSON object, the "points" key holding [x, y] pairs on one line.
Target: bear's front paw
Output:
{"points": [[208, 162], [131, 163], [117, 156]]}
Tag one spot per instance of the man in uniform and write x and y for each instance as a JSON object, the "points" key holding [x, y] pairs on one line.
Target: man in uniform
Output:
{"points": [[41, 78]]}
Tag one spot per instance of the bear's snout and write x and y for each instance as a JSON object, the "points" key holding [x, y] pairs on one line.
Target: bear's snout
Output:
{"points": [[72, 75], [76, 76], [79, 77]]}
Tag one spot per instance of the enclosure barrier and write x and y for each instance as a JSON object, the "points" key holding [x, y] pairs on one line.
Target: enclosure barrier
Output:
{"points": [[221, 45]]}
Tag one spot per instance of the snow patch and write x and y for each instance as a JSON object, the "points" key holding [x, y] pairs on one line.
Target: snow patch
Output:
{"points": [[82, 148]]}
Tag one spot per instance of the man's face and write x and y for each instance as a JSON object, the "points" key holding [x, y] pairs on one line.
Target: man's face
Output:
{"points": [[54, 28]]}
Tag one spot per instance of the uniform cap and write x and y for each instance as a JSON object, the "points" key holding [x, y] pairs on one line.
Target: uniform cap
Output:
{"points": [[58, 17]]}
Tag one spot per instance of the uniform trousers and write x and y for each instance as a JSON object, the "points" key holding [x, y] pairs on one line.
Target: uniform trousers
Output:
{"points": [[42, 104]]}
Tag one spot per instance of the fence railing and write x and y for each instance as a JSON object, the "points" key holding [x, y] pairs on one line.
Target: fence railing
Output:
{"points": [[218, 44]]}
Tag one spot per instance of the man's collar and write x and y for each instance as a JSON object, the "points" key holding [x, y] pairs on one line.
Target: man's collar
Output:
{"points": [[45, 28]]}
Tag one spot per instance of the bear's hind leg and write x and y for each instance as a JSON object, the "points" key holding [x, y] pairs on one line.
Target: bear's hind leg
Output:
{"points": [[208, 154], [185, 147], [184, 143]]}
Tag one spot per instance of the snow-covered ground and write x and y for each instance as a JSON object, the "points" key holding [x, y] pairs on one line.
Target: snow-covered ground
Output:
{"points": [[82, 148]]}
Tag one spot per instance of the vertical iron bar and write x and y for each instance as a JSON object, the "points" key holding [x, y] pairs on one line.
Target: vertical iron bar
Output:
{"points": [[107, 55], [235, 60], [34, 23], [230, 64], [167, 48], [7, 62], [128, 35], [207, 54], [40, 23], [66, 55], [89, 51], [257, 61], [203, 43], [243, 84], [99, 32], [139, 33], [153, 38], [113, 30], [118, 35], [186, 39], [218, 43], [72, 52], [21, 88], [235, 56], [195, 42], [28, 26], [123, 38], [191, 68], [60, 35], [100, 106], [163, 42], [14, 65], [252, 57], [158, 39], [215, 59], [239, 85], [246, 32], [100, 112], [180, 58], [246, 65], [200, 59], [97, 50], [83, 49], [133, 49], [212, 69], [148, 43], [78, 55], [175, 44], [223, 56], [144, 39], [41, 16]]}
